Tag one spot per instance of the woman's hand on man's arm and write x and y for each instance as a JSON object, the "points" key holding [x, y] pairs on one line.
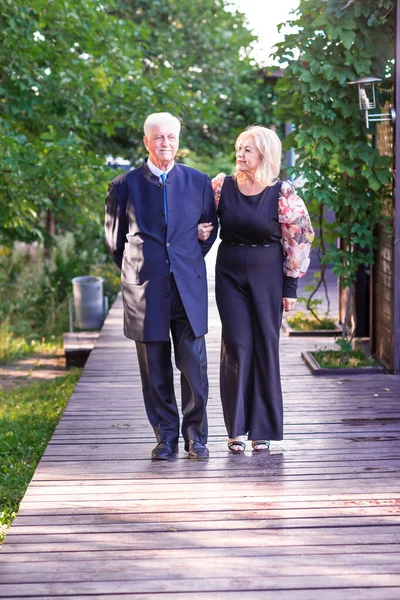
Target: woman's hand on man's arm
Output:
{"points": [[204, 231], [288, 304]]}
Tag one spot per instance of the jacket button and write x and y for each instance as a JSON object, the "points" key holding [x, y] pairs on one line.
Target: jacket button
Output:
{"points": [[166, 279], [162, 214], [167, 295], [168, 244], [167, 262]]}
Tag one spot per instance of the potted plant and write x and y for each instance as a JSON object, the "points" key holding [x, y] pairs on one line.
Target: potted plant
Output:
{"points": [[349, 358]]}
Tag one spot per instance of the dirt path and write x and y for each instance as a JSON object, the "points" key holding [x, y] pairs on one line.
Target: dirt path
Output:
{"points": [[37, 367]]}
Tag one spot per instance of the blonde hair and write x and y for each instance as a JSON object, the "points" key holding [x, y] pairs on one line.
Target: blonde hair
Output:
{"points": [[270, 149], [161, 118]]}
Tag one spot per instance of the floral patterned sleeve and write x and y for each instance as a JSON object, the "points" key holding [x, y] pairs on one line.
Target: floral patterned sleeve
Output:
{"points": [[297, 231], [217, 184]]}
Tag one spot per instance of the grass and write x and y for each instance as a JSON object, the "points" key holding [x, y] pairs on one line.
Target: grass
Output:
{"points": [[28, 416], [13, 347], [332, 359], [35, 292], [300, 321]]}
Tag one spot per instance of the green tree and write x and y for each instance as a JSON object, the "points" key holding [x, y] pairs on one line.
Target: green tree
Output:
{"points": [[195, 65], [336, 42], [77, 79], [52, 80]]}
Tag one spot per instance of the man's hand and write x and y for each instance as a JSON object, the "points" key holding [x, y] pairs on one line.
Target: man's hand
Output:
{"points": [[204, 231], [288, 304]]}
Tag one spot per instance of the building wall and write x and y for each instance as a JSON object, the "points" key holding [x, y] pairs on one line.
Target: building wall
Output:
{"points": [[382, 288]]}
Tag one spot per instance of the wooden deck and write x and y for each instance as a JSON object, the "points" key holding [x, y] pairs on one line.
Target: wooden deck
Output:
{"points": [[316, 518]]}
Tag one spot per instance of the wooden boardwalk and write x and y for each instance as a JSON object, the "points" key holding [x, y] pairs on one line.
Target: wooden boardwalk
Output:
{"points": [[316, 518]]}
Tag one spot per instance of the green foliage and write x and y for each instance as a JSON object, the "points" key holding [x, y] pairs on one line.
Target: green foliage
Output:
{"points": [[344, 345], [333, 359], [338, 42], [111, 278], [220, 163], [13, 347], [35, 289], [254, 104], [47, 164], [195, 66], [256, 101], [311, 303], [78, 78], [300, 321], [28, 416], [49, 176]]}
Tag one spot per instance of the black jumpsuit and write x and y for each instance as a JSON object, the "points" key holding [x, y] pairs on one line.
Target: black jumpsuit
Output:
{"points": [[250, 284]]}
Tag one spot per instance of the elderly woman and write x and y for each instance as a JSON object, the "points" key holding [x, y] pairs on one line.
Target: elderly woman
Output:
{"points": [[266, 238]]}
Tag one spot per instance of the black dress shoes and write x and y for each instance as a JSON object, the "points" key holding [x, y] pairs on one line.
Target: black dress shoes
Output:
{"points": [[164, 451], [196, 450]]}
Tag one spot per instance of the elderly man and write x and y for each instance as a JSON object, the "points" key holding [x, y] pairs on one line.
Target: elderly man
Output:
{"points": [[151, 222]]}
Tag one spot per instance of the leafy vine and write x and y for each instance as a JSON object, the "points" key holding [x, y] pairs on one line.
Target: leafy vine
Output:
{"points": [[335, 42]]}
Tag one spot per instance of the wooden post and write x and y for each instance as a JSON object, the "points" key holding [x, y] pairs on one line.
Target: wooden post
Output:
{"points": [[396, 232]]}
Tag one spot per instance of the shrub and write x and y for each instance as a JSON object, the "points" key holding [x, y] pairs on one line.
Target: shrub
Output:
{"points": [[35, 290]]}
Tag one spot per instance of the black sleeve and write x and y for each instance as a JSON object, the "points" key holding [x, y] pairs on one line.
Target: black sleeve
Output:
{"points": [[290, 287], [115, 227], [209, 215]]}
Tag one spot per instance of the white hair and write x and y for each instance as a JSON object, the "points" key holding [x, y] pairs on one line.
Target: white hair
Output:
{"points": [[161, 118]]}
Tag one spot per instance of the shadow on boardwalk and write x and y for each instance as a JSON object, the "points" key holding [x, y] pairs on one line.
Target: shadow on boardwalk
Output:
{"points": [[317, 517]]}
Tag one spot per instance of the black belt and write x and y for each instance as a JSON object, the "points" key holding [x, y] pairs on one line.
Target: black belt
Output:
{"points": [[243, 244]]}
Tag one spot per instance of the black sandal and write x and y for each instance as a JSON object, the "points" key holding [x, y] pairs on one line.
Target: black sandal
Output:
{"points": [[264, 443], [233, 443]]}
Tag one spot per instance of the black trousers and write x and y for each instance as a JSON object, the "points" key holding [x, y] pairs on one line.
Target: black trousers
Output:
{"points": [[249, 283], [157, 379]]}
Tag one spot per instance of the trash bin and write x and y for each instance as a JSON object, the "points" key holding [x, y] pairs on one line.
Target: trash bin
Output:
{"points": [[88, 301]]}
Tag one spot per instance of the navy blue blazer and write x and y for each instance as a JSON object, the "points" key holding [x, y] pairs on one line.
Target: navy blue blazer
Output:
{"points": [[145, 248]]}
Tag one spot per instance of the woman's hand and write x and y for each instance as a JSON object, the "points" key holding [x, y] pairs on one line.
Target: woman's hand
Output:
{"points": [[204, 231], [288, 304]]}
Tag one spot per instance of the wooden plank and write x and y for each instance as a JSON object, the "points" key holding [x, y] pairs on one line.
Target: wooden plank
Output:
{"points": [[385, 279], [253, 476], [311, 516], [170, 570], [180, 483], [384, 293], [372, 563], [295, 594], [77, 347], [318, 514], [170, 522], [355, 552], [385, 265], [233, 583], [179, 539], [205, 489], [200, 508], [82, 340]]}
